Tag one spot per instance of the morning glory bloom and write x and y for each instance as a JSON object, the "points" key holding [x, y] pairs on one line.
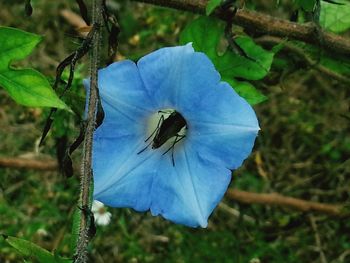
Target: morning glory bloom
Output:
{"points": [[213, 131]]}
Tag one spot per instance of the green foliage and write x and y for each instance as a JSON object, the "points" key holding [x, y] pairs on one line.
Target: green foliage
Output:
{"points": [[33, 251], [211, 6], [75, 98], [205, 33], [253, 67], [335, 18], [26, 86]]}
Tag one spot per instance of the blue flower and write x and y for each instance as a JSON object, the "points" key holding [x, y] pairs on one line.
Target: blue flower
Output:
{"points": [[184, 181]]}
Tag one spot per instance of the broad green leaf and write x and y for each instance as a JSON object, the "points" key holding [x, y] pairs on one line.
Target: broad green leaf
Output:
{"points": [[205, 34], [335, 18], [306, 5], [247, 91], [212, 4], [253, 67], [29, 249], [26, 86]]}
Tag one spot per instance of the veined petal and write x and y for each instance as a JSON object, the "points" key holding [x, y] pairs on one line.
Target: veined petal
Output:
{"points": [[226, 132], [225, 148], [120, 84], [176, 76], [120, 137], [125, 179], [222, 105], [124, 99], [188, 192]]}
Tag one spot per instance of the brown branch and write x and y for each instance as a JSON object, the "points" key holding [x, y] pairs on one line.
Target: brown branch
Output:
{"points": [[233, 194], [323, 258], [275, 199], [23, 163], [257, 22], [81, 255]]}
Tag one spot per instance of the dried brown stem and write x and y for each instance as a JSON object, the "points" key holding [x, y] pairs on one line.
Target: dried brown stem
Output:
{"points": [[272, 199], [83, 240], [275, 199], [264, 24], [23, 163]]}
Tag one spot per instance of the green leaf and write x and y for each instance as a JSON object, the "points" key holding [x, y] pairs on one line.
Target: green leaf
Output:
{"points": [[29, 249], [26, 86], [335, 18], [247, 91], [205, 34], [253, 67], [211, 6]]}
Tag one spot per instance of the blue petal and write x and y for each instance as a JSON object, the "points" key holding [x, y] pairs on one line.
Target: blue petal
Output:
{"points": [[120, 137], [120, 84], [124, 99], [177, 77], [188, 192], [226, 132], [124, 178]]}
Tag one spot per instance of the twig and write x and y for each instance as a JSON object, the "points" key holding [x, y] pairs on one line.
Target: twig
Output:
{"points": [[73, 18], [83, 240], [257, 22], [23, 163], [284, 201], [318, 240], [235, 213], [233, 194]]}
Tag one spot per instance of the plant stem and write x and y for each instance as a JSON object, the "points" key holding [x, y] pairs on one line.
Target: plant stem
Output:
{"points": [[256, 22], [83, 240]]}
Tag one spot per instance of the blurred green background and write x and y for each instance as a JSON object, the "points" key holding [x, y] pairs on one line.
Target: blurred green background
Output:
{"points": [[302, 151]]}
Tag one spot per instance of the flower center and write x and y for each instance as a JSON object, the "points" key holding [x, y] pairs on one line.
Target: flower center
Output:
{"points": [[166, 127]]}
